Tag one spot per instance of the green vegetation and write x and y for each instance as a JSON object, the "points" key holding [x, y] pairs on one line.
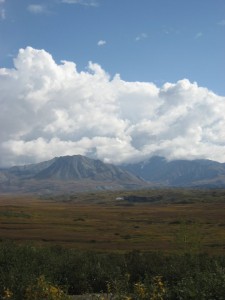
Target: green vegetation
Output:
{"points": [[41, 289], [161, 244], [28, 272]]}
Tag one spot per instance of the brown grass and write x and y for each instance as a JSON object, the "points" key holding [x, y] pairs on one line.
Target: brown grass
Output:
{"points": [[99, 222]]}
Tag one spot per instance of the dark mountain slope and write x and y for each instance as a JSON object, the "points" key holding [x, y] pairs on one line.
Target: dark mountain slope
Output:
{"points": [[29, 171], [180, 172], [66, 174], [79, 167], [79, 173]]}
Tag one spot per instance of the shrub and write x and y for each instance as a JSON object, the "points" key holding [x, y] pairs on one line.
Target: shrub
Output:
{"points": [[44, 290]]}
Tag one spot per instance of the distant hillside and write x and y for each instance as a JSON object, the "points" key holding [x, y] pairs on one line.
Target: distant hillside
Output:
{"points": [[183, 173], [29, 171], [67, 174], [79, 167]]}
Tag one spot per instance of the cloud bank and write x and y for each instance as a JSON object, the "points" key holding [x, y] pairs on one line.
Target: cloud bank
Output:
{"points": [[49, 109]]}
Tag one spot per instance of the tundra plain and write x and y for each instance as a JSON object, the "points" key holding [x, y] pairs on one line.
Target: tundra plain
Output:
{"points": [[167, 220]]}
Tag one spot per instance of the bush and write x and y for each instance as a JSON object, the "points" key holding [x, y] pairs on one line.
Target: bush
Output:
{"points": [[44, 290], [26, 270]]}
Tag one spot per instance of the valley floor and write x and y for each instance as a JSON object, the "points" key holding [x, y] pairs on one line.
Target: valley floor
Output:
{"points": [[170, 220]]}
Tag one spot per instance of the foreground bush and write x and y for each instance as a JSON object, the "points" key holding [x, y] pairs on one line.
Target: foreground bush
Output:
{"points": [[28, 272]]}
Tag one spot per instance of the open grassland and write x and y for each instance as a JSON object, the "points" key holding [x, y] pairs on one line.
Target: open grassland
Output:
{"points": [[173, 229], [169, 220]]}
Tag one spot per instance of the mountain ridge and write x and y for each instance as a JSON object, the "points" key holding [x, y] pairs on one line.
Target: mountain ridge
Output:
{"points": [[77, 173], [60, 174], [183, 173]]}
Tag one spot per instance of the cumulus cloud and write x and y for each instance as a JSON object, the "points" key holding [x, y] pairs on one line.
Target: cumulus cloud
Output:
{"points": [[101, 43], [49, 109]]}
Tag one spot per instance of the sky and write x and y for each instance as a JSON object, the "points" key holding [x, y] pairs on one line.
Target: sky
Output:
{"points": [[117, 80]]}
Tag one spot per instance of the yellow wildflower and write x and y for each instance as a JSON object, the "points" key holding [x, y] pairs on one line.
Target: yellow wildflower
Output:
{"points": [[7, 294], [140, 289]]}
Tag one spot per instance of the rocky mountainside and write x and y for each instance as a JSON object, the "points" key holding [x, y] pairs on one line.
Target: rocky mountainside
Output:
{"points": [[182, 173], [79, 167], [29, 171], [66, 174], [69, 174]]}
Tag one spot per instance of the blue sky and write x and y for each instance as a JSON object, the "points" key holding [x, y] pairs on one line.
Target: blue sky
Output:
{"points": [[117, 80], [144, 40]]}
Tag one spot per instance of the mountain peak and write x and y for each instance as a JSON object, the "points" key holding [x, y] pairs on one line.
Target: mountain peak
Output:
{"points": [[78, 167], [67, 173]]}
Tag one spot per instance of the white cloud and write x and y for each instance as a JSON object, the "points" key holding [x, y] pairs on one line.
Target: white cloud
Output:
{"points": [[2, 14], [82, 2], [2, 10], [101, 43], [141, 36], [37, 8], [222, 22], [50, 109], [198, 35]]}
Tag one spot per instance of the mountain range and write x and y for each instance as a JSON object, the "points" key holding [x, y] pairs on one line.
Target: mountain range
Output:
{"points": [[180, 173], [69, 174]]}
